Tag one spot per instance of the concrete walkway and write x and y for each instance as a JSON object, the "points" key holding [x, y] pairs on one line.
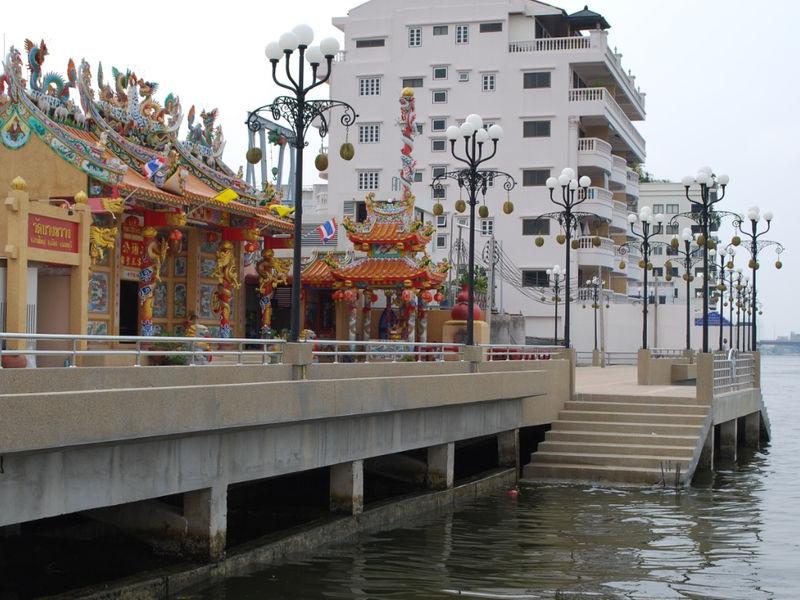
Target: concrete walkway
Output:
{"points": [[621, 381]]}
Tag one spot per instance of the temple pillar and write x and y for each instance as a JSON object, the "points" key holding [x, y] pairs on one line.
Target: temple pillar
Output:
{"points": [[422, 319], [366, 316]]}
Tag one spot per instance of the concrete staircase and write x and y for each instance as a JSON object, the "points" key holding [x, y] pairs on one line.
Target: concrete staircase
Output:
{"points": [[623, 439]]}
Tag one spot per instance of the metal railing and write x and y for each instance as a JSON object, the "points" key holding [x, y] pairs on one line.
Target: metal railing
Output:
{"points": [[195, 350], [667, 353], [621, 358], [385, 351], [733, 371], [520, 352]]}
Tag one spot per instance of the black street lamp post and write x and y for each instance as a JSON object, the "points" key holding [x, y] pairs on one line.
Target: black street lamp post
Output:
{"points": [[300, 113], [688, 257], [475, 181], [595, 289], [754, 245], [704, 208], [557, 280], [644, 244], [574, 192], [725, 265]]}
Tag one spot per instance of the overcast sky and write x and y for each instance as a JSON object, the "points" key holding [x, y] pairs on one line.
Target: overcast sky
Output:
{"points": [[719, 77]]}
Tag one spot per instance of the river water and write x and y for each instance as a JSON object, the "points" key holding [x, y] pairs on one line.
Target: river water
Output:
{"points": [[736, 534]]}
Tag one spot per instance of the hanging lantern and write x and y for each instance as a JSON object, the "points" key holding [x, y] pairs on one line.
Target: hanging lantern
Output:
{"points": [[253, 155], [561, 238], [212, 237], [427, 296], [508, 207], [374, 297], [438, 296], [175, 235], [711, 244], [250, 247], [539, 241], [575, 244], [778, 264], [736, 240], [596, 241], [321, 162], [461, 206], [407, 296], [483, 211], [438, 209]]}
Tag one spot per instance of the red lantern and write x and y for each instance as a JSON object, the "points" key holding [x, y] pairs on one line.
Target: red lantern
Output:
{"points": [[350, 295], [374, 297], [250, 247], [408, 295], [427, 295], [212, 237], [175, 235], [438, 297]]}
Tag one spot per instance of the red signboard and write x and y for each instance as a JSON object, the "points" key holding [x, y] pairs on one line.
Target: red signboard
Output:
{"points": [[48, 233], [130, 254]]}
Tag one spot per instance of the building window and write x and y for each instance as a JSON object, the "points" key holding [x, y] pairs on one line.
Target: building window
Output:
{"points": [[463, 76], [462, 34], [672, 209], [369, 133], [412, 82], [487, 226], [438, 124], [531, 177], [536, 79], [369, 86], [438, 171], [440, 72], [657, 250], [672, 229], [415, 37], [658, 229], [371, 43], [440, 30], [674, 273], [658, 272], [672, 251], [536, 129], [368, 180], [420, 128], [438, 145], [360, 212], [488, 82], [535, 226], [441, 221], [441, 240], [491, 27], [535, 278], [439, 96], [439, 192], [658, 209], [418, 176]]}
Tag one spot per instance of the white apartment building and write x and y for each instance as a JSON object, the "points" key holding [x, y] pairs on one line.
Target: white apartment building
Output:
{"points": [[550, 79], [669, 199]]}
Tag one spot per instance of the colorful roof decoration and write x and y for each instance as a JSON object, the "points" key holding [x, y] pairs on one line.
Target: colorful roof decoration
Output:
{"points": [[125, 139], [318, 270], [391, 236]]}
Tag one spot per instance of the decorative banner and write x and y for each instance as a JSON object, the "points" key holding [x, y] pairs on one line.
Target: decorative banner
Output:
{"points": [[48, 233], [132, 248]]}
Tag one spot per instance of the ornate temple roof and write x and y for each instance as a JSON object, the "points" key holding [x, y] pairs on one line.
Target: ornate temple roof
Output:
{"points": [[119, 131], [390, 272]]}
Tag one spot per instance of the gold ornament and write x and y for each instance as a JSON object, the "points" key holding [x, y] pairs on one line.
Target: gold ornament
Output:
{"points": [[253, 155], [736, 240], [596, 241], [701, 240], [539, 241], [561, 238], [508, 207], [642, 264], [461, 206], [321, 162], [674, 243], [19, 184], [575, 244], [438, 209], [778, 264], [81, 198], [751, 264], [483, 211], [347, 152], [622, 265]]}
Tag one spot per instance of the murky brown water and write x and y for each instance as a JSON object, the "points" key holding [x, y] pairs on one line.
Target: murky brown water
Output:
{"points": [[734, 535]]}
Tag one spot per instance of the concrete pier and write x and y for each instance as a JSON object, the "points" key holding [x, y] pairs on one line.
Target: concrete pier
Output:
{"points": [[706, 461], [441, 460], [347, 488], [508, 448], [206, 513], [752, 430], [728, 439]]}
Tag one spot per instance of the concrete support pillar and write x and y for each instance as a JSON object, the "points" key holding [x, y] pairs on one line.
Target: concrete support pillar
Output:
{"points": [[706, 461], [508, 448], [299, 355], [728, 439], [441, 460], [206, 513], [705, 378], [752, 429], [597, 358], [347, 488]]}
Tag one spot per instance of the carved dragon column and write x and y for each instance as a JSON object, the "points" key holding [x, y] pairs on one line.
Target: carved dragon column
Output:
{"points": [[271, 272], [422, 316], [409, 298], [149, 276], [227, 280]]}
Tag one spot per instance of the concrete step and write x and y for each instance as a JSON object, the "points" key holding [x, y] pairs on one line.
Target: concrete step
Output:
{"points": [[634, 399], [670, 409], [642, 439], [591, 473], [683, 452], [608, 460], [607, 427], [630, 417]]}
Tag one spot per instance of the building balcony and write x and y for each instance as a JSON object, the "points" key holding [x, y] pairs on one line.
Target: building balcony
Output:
{"points": [[632, 183], [598, 101], [592, 60], [618, 177], [619, 216], [594, 153], [590, 255], [600, 202]]}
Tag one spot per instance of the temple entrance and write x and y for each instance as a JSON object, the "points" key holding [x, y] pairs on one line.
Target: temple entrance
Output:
{"points": [[128, 307], [321, 313]]}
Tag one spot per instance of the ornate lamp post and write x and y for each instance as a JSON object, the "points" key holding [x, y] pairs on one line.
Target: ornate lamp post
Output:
{"points": [[595, 288], [574, 192], [754, 245], [725, 265], [644, 243], [475, 181], [703, 208], [300, 113], [688, 257], [741, 293], [557, 279]]}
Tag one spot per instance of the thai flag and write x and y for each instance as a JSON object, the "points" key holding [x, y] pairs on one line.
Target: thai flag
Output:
{"points": [[151, 167], [327, 230]]}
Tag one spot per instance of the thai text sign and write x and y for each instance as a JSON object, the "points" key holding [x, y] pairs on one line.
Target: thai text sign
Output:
{"points": [[48, 233], [130, 253]]}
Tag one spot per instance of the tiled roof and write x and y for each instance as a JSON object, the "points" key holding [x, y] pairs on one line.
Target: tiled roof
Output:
{"points": [[387, 271], [386, 233]]}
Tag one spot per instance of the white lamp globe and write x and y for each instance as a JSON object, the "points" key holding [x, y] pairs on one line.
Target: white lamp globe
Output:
{"points": [[475, 120], [288, 42], [588, 282], [549, 272], [632, 218], [585, 181], [723, 180], [573, 184], [739, 270], [568, 171], [551, 183], [329, 46], [563, 180], [753, 214], [702, 178], [687, 181], [647, 218], [467, 129], [707, 170], [482, 136], [768, 216], [453, 132], [495, 132], [314, 55], [556, 269], [687, 234], [712, 252], [305, 35], [273, 51], [659, 218]]}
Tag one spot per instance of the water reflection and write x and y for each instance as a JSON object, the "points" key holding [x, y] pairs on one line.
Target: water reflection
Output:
{"points": [[732, 535]]}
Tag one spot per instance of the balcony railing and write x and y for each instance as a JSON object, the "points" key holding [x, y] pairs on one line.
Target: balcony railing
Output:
{"points": [[618, 116], [594, 145], [601, 194], [587, 243], [551, 44], [633, 177]]}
